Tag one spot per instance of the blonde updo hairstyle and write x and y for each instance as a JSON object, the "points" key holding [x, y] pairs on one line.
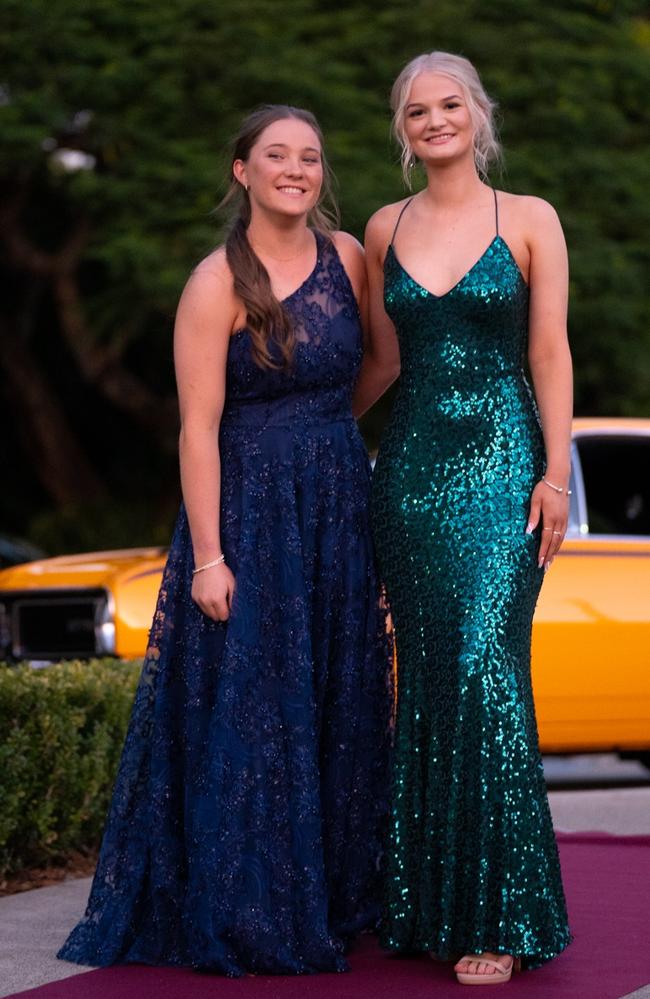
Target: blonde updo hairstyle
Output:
{"points": [[481, 108]]}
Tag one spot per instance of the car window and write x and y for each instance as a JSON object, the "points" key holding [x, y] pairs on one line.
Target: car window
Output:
{"points": [[577, 526], [616, 477]]}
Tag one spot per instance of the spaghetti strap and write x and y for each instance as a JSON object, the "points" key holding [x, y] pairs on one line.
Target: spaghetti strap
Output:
{"points": [[496, 211], [399, 219]]}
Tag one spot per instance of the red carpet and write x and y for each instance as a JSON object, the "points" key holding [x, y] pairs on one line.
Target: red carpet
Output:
{"points": [[607, 881]]}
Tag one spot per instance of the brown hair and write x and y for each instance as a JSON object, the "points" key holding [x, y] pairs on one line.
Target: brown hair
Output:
{"points": [[266, 318]]}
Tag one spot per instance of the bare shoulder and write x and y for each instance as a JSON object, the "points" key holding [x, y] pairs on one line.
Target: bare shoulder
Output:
{"points": [[529, 212], [381, 224], [353, 258], [208, 296], [380, 229], [348, 247], [210, 281], [213, 269]]}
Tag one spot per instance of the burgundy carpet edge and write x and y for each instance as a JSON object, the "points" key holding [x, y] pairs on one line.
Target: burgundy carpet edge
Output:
{"points": [[598, 836], [609, 912]]}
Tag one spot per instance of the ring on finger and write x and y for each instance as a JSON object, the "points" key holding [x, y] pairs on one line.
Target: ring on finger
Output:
{"points": [[557, 532], [546, 528]]}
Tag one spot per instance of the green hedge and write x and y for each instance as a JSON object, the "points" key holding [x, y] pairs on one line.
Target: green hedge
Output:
{"points": [[61, 732]]}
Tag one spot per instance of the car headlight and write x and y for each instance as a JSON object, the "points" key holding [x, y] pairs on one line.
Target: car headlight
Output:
{"points": [[105, 627]]}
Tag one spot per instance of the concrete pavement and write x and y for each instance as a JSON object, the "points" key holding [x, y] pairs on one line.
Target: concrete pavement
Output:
{"points": [[623, 812], [34, 924]]}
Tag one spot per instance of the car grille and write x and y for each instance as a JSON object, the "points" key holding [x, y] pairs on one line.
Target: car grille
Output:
{"points": [[56, 624]]}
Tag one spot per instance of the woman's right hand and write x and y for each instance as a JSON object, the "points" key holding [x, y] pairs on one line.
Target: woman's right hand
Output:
{"points": [[213, 590]]}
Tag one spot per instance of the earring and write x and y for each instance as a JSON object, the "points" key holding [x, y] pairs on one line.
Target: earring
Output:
{"points": [[407, 171]]}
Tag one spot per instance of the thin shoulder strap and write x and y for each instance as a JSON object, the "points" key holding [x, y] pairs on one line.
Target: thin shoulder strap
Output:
{"points": [[496, 210], [399, 219]]}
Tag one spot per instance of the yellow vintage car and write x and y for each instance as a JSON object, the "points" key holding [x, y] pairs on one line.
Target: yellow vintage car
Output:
{"points": [[591, 636]]}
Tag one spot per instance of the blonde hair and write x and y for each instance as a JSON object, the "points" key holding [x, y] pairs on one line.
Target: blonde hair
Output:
{"points": [[481, 108]]}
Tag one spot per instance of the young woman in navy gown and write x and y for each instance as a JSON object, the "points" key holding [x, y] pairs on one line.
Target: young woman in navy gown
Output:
{"points": [[246, 823], [470, 506]]}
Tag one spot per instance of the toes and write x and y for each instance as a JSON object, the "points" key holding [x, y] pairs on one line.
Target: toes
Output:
{"points": [[479, 966]]}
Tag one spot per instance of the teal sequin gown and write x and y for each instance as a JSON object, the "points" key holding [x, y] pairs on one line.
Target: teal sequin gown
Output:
{"points": [[472, 864]]}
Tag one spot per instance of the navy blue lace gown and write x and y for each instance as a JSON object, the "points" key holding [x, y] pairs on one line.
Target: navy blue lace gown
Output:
{"points": [[246, 823]]}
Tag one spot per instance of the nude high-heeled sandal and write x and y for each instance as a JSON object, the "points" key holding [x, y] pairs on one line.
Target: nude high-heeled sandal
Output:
{"points": [[502, 972]]}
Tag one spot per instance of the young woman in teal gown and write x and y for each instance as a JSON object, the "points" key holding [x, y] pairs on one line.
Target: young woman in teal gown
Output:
{"points": [[470, 506]]}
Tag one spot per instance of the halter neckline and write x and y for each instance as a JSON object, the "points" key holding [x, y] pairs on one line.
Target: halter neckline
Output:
{"points": [[497, 238], [399, 217]]}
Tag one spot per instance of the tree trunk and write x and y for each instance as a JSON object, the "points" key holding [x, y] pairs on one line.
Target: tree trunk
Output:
{"points": [[100, 366], [57, 458]]}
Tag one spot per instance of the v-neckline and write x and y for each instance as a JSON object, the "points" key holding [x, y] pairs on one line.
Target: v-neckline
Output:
{"points": [[467, 273]]}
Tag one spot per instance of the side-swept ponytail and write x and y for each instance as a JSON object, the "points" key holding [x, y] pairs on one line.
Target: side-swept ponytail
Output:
{"points": [[266, 318]]}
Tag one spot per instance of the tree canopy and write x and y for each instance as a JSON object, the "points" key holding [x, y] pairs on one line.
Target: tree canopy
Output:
{"points": [[116, 115]]}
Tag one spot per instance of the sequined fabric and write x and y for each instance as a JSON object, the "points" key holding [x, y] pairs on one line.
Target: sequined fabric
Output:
{"points": [[472, 864], [247, 820]]}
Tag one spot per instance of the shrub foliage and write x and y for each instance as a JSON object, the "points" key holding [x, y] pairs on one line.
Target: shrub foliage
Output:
{"points": [[61, 733]]}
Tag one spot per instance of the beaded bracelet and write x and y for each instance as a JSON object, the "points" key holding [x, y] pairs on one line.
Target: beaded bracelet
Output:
{"points": [[208, 565], [557, 489]]}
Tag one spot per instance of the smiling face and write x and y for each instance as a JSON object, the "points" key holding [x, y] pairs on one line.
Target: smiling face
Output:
{"points": [[284, 170], [437, 122]]}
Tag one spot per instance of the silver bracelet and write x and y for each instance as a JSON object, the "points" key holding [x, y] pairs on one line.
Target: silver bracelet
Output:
{"points": [[557, 489], [208, 565]]}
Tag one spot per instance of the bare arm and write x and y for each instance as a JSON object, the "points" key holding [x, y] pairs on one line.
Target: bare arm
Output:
{"points": [[352, 257], [381, 364], [550, 364], [204, 320]]}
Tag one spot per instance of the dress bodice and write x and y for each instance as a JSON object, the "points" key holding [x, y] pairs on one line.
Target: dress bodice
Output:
{"points": [[318, 387], [462, 353], [478, 329]]}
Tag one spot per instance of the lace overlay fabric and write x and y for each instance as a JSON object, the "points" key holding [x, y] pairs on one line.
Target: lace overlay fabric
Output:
{"points": [[246, 827], [472, 862]]}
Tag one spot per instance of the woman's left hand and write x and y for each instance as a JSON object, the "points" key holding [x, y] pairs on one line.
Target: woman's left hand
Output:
{"points": [[552, 510]]}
